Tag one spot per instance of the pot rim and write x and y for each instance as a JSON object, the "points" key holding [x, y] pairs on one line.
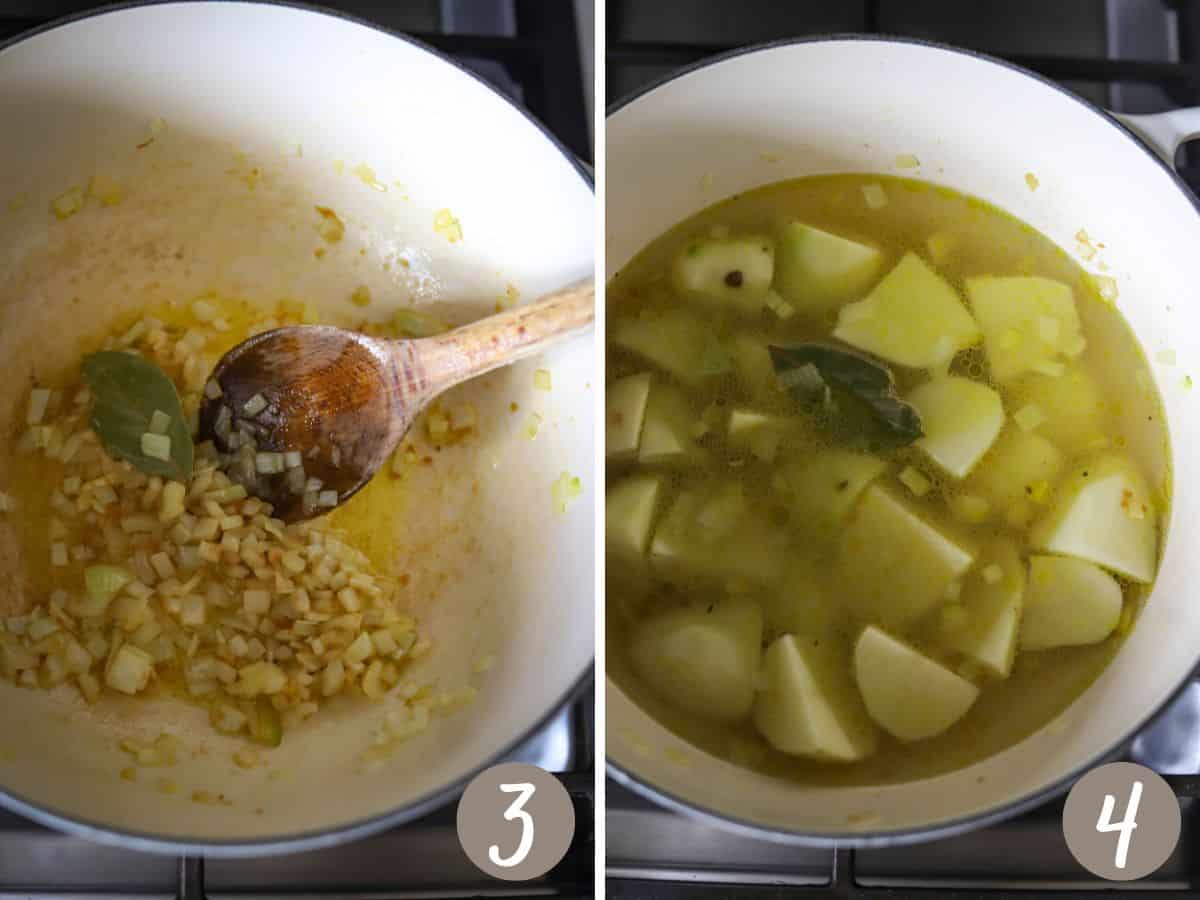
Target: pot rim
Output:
{"points": [[361, 828], [868, 838]]}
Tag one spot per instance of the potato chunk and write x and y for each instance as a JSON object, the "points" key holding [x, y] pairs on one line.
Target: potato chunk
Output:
{"points": [[1070, 602], [674, 340], [1104, 514], [624, 410], [703, 662], [1029, 324], [908, 694], [1018, 475], [1074, 407], [825, 486], [728, 273], [913, 317], [894, 565], [816, 271], [992, 600], [809, 706], [804, 605], [961, 419], [667, 432], [713, 533], [629, 514]]}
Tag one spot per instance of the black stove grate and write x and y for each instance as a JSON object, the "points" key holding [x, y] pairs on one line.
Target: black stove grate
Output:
{"points": [[1024, 859]]}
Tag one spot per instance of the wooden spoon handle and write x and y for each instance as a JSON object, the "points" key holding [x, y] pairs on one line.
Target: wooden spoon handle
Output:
{"points": [[498, 340]]}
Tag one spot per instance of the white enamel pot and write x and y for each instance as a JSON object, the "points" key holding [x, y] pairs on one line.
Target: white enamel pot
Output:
{"points": [[979, 126], [268, 111]]}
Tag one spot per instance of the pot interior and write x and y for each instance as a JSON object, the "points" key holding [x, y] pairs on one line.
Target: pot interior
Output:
{"points": [[258, 113], [979, 127]]}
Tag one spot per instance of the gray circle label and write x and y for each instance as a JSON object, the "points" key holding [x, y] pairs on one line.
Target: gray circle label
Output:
{"points": [[515, 821], [1121, 821]]}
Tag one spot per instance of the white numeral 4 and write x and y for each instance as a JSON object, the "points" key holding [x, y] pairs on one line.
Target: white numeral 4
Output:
{"points": [[524, 791], [1105, 823]]}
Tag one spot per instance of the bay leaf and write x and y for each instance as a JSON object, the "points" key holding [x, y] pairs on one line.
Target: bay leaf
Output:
{"points": [[854, 394], [126, 390]]}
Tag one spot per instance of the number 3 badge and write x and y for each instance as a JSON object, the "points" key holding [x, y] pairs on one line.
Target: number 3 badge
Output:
{"points": [[1121, 821], [515, 821]]}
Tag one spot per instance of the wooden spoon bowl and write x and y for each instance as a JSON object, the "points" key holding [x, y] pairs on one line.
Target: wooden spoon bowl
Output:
{"points": [[344, 400]]}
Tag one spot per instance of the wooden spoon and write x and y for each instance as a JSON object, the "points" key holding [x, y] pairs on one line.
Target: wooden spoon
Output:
{"points": [[344, 400]]}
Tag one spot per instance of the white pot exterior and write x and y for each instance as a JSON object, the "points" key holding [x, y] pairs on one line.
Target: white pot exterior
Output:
{"points": [[976, 125], [496, 570]]}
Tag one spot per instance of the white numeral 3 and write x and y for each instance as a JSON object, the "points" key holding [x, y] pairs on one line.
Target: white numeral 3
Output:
{"points": [[523, 791]]}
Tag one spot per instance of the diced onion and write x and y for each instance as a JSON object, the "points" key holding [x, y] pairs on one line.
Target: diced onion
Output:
{"points": [[915, 481], [39, 399], [1029, 417], [256, 602], [156, 446], [159, 422], [255, 405], [130, 670], [875, 196]]}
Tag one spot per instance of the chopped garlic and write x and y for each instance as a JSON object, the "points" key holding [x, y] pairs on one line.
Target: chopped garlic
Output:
{"points": [[915, 481], [1106, 287], [104, 189], [1029, 417], [254, 405], [564, 490], [130, 670], [541, 379], [67, 203], [159, 422], [39, 399], [156, 446], [445, 224], [875, 196], [779, 306]]}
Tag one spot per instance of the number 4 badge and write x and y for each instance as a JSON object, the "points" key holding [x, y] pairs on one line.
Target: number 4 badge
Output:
{"points": [[1146, 834]]}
